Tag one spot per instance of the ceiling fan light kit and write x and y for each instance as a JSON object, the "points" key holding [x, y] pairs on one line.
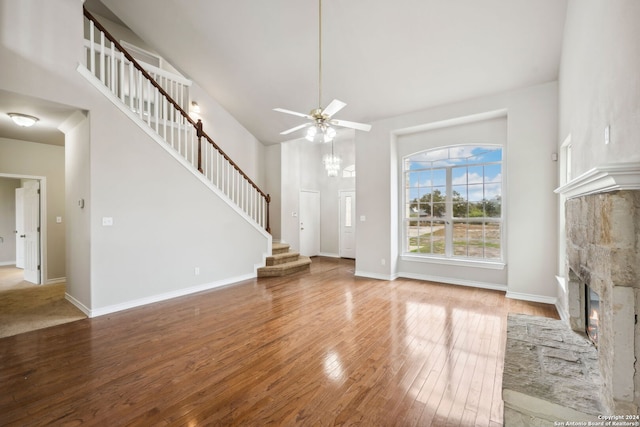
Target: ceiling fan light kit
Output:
{"points": [[322, 126]]}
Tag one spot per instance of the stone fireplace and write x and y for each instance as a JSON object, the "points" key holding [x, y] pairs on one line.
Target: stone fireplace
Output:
{"points": [[603, 238], [586, 365]]}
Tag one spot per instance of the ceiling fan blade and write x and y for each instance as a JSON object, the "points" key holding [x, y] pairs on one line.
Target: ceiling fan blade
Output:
{"points": [[288, 131], [333, 108], [351, 125], [295, 113]]}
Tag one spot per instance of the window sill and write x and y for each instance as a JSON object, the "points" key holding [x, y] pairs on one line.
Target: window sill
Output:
{"points": [[491, 265]]}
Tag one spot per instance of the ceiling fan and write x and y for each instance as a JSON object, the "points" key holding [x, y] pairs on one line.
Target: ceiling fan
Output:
{"points": [[321, 125]]}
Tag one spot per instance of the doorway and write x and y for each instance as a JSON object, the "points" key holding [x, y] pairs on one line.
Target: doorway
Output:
{"points": [[22, 225], [309, 223]]}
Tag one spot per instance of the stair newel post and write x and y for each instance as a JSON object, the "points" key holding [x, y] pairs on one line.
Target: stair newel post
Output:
{"points": [[199, 133], [268, 200]]}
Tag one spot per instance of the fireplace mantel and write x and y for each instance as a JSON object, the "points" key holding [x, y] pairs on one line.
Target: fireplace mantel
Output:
{"points": [[604, 178]]}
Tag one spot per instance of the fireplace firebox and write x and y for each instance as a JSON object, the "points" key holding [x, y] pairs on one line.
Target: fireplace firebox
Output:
{"points": [[592, 313]]}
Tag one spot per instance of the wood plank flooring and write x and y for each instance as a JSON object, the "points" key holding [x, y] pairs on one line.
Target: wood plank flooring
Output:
{"points": [[324, 348]]}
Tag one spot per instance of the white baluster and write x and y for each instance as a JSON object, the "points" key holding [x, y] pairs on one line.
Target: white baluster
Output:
{"points": [[102, 78], [92, 49], [131, 86], [121, 77], [112, 69]]}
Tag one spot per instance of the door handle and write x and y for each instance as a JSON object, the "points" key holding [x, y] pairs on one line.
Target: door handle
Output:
{"points": [[23, 235]]}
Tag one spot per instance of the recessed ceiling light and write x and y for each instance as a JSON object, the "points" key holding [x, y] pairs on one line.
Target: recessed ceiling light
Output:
{"points": [[23, 120]]}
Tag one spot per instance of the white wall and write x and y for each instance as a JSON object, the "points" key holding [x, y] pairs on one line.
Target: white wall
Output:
{"points": [[78, 206], [273, 185], [8, 220], [34, 159], [600, 82], [530, 205], [599, 85], [166, 222]]}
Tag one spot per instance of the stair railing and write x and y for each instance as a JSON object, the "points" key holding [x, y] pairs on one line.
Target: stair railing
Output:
{"points": [[110, 62]]}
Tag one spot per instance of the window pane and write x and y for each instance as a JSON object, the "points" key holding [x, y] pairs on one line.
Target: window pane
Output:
{"points": [[426, 237], [492, 241], [476, 240], [474, 207], [475, 175], [476, 192], [460, 238], [439, 177]]}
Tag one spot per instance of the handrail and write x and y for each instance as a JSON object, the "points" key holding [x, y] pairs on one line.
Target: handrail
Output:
{"points": [[196, 125]]}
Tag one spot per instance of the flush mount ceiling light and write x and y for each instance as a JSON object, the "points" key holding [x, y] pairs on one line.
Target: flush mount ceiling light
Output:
{"points": [[321, 125], [23, 120]]}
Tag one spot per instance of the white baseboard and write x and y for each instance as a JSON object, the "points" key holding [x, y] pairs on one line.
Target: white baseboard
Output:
{"points": [[55, 280], [532, 298], [377, 276], [166, 296], [329, 255], [5, 263], [454, 281], [83, 308]]}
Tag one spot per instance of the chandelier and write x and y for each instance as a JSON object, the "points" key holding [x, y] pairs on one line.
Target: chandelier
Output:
{"points": [[331, 162]]}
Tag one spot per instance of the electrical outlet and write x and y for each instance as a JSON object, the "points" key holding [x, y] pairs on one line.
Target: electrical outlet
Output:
{"points": [[197, 271], [383, 261], [107, 221]]}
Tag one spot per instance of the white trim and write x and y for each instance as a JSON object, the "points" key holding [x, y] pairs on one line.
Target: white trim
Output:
{"points": [[491, 265], [604, 178], [5, 263], [162, 143], [377, 276], [56, 280], [167, 296], [564, 315], [453, 281], [329, 255], [80, 306], [532, 298], [562, 284]]}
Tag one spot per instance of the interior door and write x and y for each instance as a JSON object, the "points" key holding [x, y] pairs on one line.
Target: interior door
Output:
{"points": [[20, 227], [309, 223], [32, 231], [347, 224]]}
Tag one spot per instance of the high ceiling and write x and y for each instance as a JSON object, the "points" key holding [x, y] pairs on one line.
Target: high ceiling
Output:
{"points": [[383, 58]]}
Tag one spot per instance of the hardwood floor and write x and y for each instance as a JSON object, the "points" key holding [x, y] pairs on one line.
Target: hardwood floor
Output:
{"points": [[324, 348]]}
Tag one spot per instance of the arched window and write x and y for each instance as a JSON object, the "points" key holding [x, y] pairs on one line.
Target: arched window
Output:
{"points": [[453, 203]]}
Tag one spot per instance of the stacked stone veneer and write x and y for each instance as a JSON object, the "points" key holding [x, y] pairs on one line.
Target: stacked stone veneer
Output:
{"points": [[603, 251]]}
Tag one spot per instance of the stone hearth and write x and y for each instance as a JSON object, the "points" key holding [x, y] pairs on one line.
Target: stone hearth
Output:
{"points": [[551, 374]]}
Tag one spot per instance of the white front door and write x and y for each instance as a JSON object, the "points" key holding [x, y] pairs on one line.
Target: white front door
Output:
{"points": [[347, 224], [32, 231], [20, 227], [309, 223]]}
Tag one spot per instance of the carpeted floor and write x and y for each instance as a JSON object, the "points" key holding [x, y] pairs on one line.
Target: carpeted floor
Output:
{"points": [[26, 307]]}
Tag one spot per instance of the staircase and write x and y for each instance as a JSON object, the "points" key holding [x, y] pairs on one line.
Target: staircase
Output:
{"points": [[282, 262], [146, 95]]}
